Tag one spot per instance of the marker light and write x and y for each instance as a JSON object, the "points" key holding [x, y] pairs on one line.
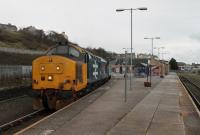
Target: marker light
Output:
{"points": [[42, 68], [57, 68]]}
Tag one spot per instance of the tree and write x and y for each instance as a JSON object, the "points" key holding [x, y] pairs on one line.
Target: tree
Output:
{"points": [[173, 64]]}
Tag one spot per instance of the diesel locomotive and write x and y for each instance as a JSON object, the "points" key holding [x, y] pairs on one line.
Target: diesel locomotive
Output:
{"points": [[66, 71]]}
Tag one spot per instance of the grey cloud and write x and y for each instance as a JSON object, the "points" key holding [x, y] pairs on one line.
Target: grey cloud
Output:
{"points": [[195, 36], [95, 22]]}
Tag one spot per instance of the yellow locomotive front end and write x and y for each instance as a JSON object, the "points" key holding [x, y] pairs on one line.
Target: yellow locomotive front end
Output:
{"points": [[53, 72], [58, 76]]}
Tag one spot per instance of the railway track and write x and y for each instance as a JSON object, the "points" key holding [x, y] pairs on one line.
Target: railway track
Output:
{"points": [[192, 88], [26, 120], [14, 120], [13, 99], [19, 121], [9, 93]]}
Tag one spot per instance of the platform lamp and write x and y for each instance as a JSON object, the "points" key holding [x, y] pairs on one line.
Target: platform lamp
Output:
{"points": [[131, 9], [125, 75], [151, 38]]}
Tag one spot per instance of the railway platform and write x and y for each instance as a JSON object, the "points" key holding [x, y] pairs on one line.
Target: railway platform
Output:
{"points": [[163, 109]]}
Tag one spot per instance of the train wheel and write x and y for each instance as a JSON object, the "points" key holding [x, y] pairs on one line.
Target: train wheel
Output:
{"points": [[45, 101], [74, 95], [49, 102], [37, 105], [52, 102]]}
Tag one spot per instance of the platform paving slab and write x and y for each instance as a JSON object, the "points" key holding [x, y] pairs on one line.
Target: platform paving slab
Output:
{"points": [[105, 112], [163, 117]]}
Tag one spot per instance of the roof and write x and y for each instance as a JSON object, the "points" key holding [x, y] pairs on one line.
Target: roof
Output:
{"points": [[135, 62]]}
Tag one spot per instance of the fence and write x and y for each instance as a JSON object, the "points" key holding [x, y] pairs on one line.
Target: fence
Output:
{"points": [[21, 51], [15, 75]]}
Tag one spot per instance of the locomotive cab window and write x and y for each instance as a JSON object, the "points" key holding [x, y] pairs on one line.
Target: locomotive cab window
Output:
{"points": [[67, 51], [59, 50]]}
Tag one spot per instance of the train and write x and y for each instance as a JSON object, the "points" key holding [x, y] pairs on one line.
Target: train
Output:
{"points": [[65, 72]]}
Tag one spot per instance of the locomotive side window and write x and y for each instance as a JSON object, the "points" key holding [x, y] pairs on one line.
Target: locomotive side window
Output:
{"points": [[73, 52]]}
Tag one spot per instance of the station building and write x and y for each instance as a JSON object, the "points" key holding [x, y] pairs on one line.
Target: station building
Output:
{"points": [[140, 66]]}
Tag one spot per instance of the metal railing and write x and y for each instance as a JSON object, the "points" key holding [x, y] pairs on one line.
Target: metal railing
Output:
{"points": [[20, 51], [14, 75]]}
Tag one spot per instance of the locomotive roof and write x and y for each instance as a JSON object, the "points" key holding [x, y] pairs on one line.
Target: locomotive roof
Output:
{"points": [[82, 50], [103, 60], [77, 47]]}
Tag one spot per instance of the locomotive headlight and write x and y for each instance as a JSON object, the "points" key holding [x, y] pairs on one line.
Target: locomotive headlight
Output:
{"points": [[50, 78], [42, 68], [57, 68]]}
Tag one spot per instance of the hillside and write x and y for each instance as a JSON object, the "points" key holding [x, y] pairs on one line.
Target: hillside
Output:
{"points": [[28, 38], [25, 39], [31, 38]]}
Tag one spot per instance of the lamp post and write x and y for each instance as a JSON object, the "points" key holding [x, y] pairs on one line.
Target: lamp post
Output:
{"points": [[151, 38], [131, 9], [125, 77]]}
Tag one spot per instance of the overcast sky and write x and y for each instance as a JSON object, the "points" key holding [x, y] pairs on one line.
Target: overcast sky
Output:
{"points": [[95, 23]]}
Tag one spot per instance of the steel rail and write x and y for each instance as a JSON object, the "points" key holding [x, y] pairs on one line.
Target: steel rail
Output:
{"points": [[18, 120], [12, 99]]}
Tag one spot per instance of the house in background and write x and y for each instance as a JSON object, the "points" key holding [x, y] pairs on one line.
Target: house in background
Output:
{"points": [[8, 27], [185, 67], [197, 66]]}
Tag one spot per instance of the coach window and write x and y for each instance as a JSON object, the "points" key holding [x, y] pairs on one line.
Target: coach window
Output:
{"points": [[74, 53]]}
